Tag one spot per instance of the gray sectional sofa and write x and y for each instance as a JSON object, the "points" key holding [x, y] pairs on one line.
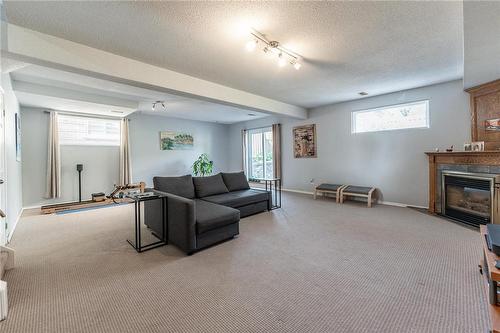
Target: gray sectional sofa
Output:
{"points": [[203, 211]]}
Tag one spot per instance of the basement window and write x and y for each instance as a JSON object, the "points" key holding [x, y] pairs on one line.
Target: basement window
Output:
{"points": [[393, 117], [88, 131]]}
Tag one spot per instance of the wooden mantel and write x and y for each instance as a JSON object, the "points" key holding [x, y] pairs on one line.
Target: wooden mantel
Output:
{"points": [[491, 157]]}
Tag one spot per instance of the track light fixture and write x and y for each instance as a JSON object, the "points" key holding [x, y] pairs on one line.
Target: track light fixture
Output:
{"points": [[272, 49], [162, 103]]}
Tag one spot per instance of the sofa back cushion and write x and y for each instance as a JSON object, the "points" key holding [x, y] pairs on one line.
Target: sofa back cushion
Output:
{"points": [[181, 186], [205, 186], [235, 181]]}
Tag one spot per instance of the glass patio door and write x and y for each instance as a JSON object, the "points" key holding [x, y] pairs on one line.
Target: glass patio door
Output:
{"points": [[260, 153]]}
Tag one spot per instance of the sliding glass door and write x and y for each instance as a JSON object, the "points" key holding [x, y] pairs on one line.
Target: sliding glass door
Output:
{"points": [[260, 153]]}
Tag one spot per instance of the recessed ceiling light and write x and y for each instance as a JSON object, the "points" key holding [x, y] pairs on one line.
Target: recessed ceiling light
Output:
{"points": [[363, 93], [252, 114]]}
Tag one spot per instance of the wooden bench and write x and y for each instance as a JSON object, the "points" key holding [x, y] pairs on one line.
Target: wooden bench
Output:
{"points": [[357, 191], [329, 189]]}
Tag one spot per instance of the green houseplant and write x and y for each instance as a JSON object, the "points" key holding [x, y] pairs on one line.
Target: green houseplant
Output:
{"points": [[202, 166]]}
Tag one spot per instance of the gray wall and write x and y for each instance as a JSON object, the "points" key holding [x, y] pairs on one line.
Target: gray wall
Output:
{"points": [[481, 42], [149, 161], [13, 167], [100, 164], [393, 161]]}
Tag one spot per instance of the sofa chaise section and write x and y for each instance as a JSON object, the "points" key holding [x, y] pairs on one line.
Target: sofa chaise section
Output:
{"points": [[192, 223]]}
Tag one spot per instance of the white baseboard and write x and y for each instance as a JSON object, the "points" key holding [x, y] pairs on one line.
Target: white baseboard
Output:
{"points": [[387, 203], [32, 207], [11, 230]]}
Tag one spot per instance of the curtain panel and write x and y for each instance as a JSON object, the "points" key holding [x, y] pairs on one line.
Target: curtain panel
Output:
{"points": [[125, 165], [277, 150], [53, 189], [244, 146]]}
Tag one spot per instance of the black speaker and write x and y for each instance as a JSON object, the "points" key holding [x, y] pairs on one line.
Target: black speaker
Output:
{"points": [[79, 167]]}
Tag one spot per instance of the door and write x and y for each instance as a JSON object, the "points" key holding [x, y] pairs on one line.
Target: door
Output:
{"points": [[3, 199]]}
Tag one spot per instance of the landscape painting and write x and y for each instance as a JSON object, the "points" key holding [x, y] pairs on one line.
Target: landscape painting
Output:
{"points": [[304, 141], [492, 124], [170, 140]]}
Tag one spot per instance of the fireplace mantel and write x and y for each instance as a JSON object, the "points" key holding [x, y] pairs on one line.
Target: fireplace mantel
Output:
{"points": [[491, 157]]}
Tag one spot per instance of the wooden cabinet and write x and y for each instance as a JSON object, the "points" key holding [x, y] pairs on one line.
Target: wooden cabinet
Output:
{"points": [[485, 105]]}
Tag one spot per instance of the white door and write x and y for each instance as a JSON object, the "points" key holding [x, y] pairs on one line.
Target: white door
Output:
{"points": [[3, 199]]}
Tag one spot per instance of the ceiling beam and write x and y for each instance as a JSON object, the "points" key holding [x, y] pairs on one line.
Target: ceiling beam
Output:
{"points": [[46, 50]]}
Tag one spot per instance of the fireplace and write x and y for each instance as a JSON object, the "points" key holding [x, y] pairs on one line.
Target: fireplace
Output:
{"points": [[470, 197]]}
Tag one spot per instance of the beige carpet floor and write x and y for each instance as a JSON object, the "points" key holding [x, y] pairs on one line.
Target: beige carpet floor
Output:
{"points": [[313, 266]]}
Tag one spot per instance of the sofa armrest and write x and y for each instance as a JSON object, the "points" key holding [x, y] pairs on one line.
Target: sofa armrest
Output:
{"points": [[181, 220]]}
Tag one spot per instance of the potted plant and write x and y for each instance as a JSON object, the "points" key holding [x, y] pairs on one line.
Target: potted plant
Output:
{"points": [[202, 166]]}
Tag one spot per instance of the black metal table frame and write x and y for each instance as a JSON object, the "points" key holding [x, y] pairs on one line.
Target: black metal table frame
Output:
{"points": [[137, 216], [275, 191]]}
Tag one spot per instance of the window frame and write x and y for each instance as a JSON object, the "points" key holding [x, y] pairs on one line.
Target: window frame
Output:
{"points": [[90, 143], [427, 116]]}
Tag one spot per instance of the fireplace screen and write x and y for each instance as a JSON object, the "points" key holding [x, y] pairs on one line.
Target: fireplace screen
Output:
{"points": [[468, 198]]}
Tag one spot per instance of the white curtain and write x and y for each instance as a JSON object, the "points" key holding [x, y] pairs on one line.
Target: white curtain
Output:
{"points": [[125, 167], [244, 143], [53, 160], [277, 150]]}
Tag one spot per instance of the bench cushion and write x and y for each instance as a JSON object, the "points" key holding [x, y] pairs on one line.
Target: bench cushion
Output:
{"points": [[357, 189], [205, 186], [239, 198], [210, 216], [328, 187], [235, 181], [181, 186]]}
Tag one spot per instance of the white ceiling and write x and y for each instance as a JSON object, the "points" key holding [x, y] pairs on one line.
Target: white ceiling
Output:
{"points": [[348, 47], [37, 86]]}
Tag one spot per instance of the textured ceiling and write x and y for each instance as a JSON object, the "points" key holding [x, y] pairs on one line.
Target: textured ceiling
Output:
{"points": [[347, 47]]}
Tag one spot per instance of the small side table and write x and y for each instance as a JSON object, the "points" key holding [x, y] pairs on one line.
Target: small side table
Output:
{"points": [[274, 186], [152, 204]]}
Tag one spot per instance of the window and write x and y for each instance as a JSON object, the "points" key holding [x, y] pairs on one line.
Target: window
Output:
{"points": [[260, 153], [87, 131], [409, 115]]}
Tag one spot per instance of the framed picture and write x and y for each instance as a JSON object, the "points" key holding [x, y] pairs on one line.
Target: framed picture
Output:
{"points": [[304, 141], [477, 146], [492, 124], [18, 137], [170, 140]]}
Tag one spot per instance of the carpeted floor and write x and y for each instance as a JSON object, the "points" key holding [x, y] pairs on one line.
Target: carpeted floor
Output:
{"points": [[313, 266]]}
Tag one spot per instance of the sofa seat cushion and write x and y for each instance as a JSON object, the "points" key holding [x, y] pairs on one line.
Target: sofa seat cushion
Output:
{"points": [[210, 216], [239, 198], [205, 186], [235, 181], [181, 186]]}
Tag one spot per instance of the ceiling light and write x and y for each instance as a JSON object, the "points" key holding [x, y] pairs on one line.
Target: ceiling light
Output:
{"points": [[273, 49], [295, 64], [281, 60], [251, 45], [162, 103]]}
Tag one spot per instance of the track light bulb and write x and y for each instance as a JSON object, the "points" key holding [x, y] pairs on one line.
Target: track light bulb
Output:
{"points": [[251, 45], [297, 66], [281, 61]]}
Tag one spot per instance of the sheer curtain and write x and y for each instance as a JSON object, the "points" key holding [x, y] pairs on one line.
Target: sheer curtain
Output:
{"points": [[277, 150], [125, 166], [53, 159], [244, 143]]}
